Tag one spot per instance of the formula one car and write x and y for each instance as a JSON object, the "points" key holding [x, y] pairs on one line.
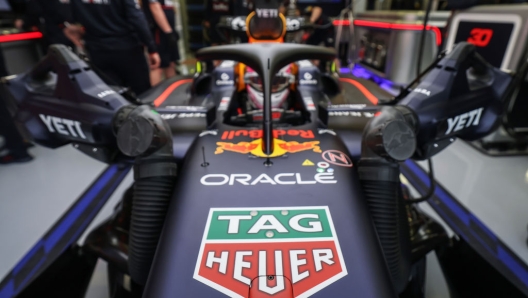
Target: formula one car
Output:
{"points": [[261, 184]]}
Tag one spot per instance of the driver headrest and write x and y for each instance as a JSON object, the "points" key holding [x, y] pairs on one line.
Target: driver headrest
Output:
{"points": [[266, 25]]}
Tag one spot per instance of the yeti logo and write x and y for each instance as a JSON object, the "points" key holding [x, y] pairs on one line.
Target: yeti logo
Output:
{"points": [[63, 126], [267, 13], [471, 118]]}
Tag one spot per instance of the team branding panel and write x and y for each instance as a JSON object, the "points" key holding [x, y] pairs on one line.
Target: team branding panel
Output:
{"points": [[307, 79], [225, 80], [242, 244], [280, 146], [278, 179], [337, 158], [277, 133], [63, 126], [471, 118]]}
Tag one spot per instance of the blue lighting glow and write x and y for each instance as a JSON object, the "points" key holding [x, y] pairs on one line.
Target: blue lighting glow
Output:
{"points": [[345, 70], [364, 73]]}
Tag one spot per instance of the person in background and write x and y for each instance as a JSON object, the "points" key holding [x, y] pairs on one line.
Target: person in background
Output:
{"points": [[14, 148], [3, 69], [161, 16], [11, 11], [324, 32], [289, 9], [242, 8], [214, 10], [49, 17], [115, 34]]}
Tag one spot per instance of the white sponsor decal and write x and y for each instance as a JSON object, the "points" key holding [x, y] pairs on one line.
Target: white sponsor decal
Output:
{"points": [[422, 91], [307, 79], [305, 63], [224, 103], [309, 103], [293, 24], [267, 13], [105, 93], [351, 114], [471, 118], [224, 80], [349, 106], [63, 126], [208, 132], [229, 63], [328, 131], [238, 23], [220, 6], [182, 115], [186, 108], [279, 179]]}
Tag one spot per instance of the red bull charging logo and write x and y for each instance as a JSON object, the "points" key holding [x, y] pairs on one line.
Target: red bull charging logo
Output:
{"points": [[280, 147]]}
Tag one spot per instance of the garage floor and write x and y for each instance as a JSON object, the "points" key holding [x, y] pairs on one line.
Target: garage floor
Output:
{"points": [[35, 194]]}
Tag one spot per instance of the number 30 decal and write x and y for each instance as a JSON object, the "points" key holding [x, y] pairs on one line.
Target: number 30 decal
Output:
{"points": [[480, 37]]}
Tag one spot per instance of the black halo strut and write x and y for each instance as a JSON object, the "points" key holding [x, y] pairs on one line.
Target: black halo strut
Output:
{"points": [[266, 59]]}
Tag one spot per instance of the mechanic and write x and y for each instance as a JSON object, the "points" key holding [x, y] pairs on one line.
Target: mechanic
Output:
{"points": [[14, 148], [17, 10], [214, 10], [242, 8], [161, 17], [115, 33], [289, 9], [49, 17], [325, 33]]}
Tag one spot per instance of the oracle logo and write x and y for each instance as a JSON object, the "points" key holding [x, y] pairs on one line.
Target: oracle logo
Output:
{"points": [[480, 37]]}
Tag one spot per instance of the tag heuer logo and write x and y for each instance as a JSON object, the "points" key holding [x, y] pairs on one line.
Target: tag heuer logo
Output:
{"points": [[242, 246]]}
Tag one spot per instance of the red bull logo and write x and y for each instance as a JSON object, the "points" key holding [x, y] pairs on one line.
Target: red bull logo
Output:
{"points": [[277, 133], [280, 146]]}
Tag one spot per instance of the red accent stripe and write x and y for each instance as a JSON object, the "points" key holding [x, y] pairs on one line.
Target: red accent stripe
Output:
{"points": [[341, 23], [373, 99], [395, 26], [163, 96], [20, 36]]}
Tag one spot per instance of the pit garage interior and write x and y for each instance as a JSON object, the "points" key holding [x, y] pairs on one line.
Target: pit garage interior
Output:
{"points": [[481, 193]]}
